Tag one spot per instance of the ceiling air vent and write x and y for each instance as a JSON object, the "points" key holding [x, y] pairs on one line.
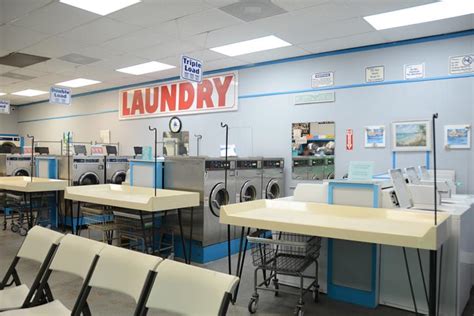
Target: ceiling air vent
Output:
{"points": [[21, 60], [251, 10], [17, 76], [78, 59]]}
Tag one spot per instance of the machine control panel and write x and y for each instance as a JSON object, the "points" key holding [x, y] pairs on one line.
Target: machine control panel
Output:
{"points": [[86, 160], [249, 164], [219, 164], [21, 158], [317, 161], [301, 162], [267, 164], [116, 160]]}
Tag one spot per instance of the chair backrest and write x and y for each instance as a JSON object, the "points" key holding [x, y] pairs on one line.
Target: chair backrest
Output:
{"points": [[38, 243], [75, 255], [123, 270], [203, 289]]}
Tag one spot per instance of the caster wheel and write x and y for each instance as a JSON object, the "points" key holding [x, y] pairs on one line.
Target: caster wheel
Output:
{"points": [[315, 295], [299, 311], [23, 231], [253, 304], [15, 228]]}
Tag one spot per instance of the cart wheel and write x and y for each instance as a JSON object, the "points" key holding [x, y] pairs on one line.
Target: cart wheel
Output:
{"points": [[15, 228], [23, 231], [253, 304], [315, 294], [277, 287], [299, 311]]}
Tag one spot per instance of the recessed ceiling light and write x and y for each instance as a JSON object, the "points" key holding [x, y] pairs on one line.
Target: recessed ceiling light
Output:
{"points": [[79, 82], [102, 7], [251, 46], [2, 93], [145, 68], [421, 14], [29, 93]]}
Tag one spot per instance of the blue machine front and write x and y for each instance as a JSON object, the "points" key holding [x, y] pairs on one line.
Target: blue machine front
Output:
{"points": [[51, 165]]}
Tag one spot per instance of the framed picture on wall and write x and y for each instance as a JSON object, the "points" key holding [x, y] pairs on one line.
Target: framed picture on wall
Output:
{"points": [[375, 136], [457, 136], [411, 136]]}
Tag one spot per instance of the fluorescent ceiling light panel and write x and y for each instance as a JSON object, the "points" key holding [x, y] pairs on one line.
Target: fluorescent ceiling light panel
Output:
{"points": [[29, 93], [79, 82], [145, 68], [1, 93], [101, 7], [251, 46], [425, 13]]}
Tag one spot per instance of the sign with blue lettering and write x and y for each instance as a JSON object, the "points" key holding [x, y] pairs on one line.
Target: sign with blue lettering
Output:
{"points": [[191, 69], [58, 95], [4, 107]]}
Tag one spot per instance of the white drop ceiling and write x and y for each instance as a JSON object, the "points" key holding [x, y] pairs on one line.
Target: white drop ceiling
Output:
{"points": [[162, 30]]}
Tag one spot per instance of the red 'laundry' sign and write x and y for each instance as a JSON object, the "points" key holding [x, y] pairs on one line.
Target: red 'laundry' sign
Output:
{"points": [[217, 93]]}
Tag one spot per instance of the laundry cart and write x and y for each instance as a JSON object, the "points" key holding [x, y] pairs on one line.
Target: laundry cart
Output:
{"points": [[283, 253]]}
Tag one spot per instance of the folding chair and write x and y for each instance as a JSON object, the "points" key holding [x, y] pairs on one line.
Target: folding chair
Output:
{"points": [[38, 246], [120, 270], [182, 289]]}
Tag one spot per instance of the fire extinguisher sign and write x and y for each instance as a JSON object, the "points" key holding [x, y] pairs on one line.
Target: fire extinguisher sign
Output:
{"points": [[349, 139]]}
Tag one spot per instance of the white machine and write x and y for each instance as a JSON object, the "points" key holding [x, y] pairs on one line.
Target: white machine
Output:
{"points": [[445, 187], [248, 179], [116, 167], [273, 178], [18, 165], [83, 169], [9, 141]]}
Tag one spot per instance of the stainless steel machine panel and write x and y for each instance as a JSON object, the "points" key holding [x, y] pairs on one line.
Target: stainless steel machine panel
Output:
{"points": [[116, 169], [273, 178], [18, 165], [84, 170], [248, 179]]}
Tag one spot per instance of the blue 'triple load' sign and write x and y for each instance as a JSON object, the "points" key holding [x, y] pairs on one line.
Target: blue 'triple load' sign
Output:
{"points": [[59, 95], [191, 69]]}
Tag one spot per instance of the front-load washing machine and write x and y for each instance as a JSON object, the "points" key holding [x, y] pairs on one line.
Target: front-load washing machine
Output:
{"points": [[116, 167], [273, 178], [248, 179], [81, 169], [18, 165]]}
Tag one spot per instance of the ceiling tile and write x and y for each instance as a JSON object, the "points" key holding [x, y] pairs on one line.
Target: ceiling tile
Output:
{"points": [[168, 49], [29, 72], [94, 73], [99, 31], [64, 18], [369, 7], [121, 61], [12, 9], [53, 66], [273, 54], [14, 38], [51, 79], [235, 33], [343, 42], [223, 63], [292, 5], [205, 55], [163, 10], [205, 21], [54, 46]]}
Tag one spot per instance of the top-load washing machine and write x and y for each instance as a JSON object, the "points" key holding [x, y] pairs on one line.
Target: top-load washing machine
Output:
{"points": [[248, 179], [116, 167], [83, 169], [273, 178], [17, 165], [206, 176]]}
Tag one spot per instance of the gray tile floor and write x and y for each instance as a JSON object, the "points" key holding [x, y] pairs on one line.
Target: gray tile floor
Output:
{"points": [[66, 287]]}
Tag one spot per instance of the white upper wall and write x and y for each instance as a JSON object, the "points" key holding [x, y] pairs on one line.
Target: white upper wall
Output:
{"points": [[9, 122], [262, 125]]}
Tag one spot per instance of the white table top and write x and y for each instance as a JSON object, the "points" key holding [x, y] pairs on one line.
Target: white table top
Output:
{"points": [[405, 228], [28, 185], [130, 197]]}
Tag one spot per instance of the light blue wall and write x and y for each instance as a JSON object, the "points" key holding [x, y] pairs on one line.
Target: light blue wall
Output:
{"points": [[262, 125], [9, 123]]}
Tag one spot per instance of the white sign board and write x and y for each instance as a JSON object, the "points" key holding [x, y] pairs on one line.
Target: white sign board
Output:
{"points": [[322, 79], [58, 95], [375, 74], [315, 97], [461, 64], [4, 107], [415, 71], [191, 69]]}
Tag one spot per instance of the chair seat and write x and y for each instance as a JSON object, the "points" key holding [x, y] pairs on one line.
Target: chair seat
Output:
{"points": [[55, 308], [13, 297]]}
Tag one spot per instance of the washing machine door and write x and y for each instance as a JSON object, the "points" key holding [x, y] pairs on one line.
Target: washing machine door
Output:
{"points": [[248, 192], [118, 177], [88, 178], [21, 173], [273, 190], [219, 196]]}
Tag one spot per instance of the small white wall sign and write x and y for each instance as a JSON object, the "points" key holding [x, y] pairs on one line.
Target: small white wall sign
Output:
{"points": [[414, 71], [375, 74], [191, 69], [4, 107], [59, 95], [322, 79], [461, 64]]}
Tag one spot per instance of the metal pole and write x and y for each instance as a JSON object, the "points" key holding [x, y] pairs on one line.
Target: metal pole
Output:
{"points": [[154, 167], [435, 116], [198, 140], [32, 155], [434, 253], [229, 252]]}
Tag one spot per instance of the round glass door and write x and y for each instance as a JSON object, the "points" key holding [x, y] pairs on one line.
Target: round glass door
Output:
{"points": [[88, 178], [118, 177], [248, 192], [273, 190], [21, 173], [218, 197]]}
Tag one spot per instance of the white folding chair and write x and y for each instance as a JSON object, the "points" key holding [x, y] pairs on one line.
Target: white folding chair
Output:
{"points": [[39, 246], [183, 289], [75, 255], [120, 270]]}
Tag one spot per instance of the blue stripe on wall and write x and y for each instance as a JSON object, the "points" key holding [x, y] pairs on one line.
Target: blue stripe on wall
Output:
{"points": [[287, 60]]}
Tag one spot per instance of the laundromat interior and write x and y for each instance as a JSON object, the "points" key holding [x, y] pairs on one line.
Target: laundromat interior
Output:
{"points": [[236, 157]]}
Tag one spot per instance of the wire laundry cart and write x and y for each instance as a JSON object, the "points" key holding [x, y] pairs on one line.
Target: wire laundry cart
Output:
{"points": [[285, 254]]}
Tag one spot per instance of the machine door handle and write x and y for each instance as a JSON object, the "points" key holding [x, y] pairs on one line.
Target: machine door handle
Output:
{"points": [[216, 204], [270, 194]]}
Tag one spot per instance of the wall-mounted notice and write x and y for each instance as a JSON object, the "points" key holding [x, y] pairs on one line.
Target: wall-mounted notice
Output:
{"points": [[349, 139], [4, 107], [216, 93], [375, 74], [414, 71], [315, 97], [361, 170], [461, 64], [322, 79], [191, 69], [59, 95]]}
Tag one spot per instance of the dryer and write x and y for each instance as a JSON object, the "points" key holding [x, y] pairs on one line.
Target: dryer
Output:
{"points": [[248, 179], [116, 167], [18, 165], [83, 169], [273, 178]]}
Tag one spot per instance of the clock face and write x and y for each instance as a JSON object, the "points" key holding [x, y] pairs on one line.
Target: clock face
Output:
{"points": [[175, 124]]}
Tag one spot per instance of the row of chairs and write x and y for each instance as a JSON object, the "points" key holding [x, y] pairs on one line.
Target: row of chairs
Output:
{"points": [[153, 283]]}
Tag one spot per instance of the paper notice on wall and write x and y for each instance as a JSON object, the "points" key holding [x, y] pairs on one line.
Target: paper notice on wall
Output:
{"points": [[415, 71], [375, 74], [4, 107], [461, 64], [322, 79], [105, 136], [231, 150]]}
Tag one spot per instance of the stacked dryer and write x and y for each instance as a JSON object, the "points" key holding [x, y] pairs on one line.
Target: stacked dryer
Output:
{"points": [[273, 178], [17, 165]]}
